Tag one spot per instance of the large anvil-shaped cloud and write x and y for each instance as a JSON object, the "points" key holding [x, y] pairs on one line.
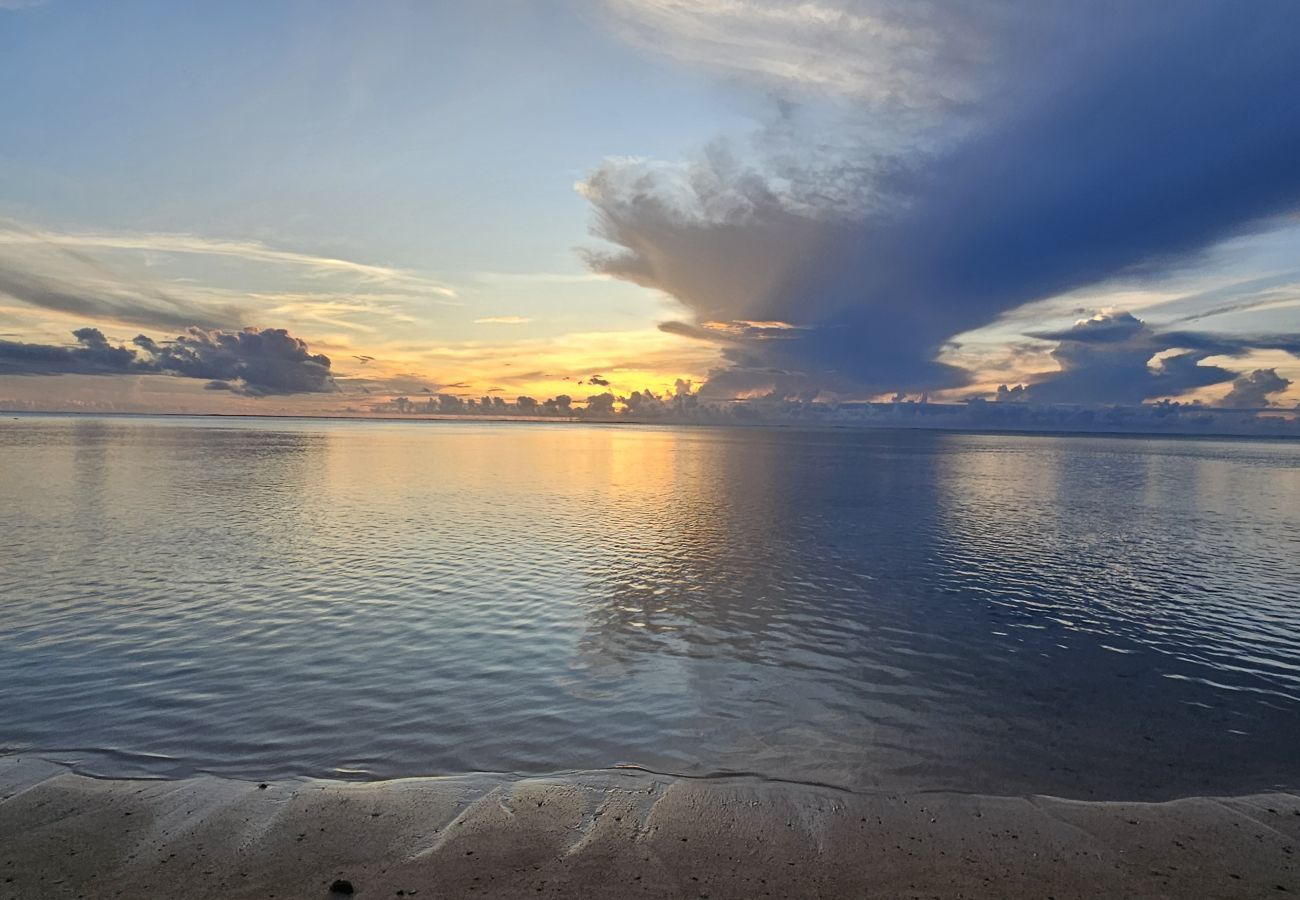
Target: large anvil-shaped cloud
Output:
{"points": [[1113, 138]]}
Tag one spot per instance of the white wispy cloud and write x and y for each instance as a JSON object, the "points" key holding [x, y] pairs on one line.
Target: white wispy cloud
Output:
{"points": [[16, 234], [874, 50], [101, 277], [502, 320], [539, 277]]}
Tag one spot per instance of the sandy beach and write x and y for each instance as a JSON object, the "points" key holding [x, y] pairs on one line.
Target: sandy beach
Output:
{"points": [[612, 834]]}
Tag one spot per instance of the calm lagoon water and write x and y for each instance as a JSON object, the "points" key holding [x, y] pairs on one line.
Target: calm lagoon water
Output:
{"points": [[1090, 617]]}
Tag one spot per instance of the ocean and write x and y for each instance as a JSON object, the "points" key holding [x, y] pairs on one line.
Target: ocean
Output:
{"points": [[1090, 617]]}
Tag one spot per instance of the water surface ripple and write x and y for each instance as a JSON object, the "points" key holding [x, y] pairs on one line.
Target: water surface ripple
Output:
{"points": [[1090, 617]]}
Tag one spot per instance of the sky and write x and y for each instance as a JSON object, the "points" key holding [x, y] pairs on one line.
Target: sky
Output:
{"points": [[656, 205]]}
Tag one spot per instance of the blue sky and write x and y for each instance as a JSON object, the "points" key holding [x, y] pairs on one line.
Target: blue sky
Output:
{"points": [[422, 135], [831, 200]]}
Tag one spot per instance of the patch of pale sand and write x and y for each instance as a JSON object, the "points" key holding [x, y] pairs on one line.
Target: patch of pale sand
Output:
{"points": [[620, 834]]}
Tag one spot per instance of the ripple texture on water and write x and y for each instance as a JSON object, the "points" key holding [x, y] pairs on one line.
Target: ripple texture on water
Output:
{"points": [[877, 610]]}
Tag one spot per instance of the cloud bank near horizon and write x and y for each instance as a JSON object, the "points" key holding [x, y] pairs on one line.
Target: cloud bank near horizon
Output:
{"points": [[1102, 143], [270, 362], [251, 363], [1012, 411], [1108, 359]]}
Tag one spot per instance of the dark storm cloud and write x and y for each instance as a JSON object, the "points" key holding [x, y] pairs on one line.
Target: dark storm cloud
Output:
{"points": [[1127, 138], [270, 361], [249, 362], [91, 355], [1110, 358]]}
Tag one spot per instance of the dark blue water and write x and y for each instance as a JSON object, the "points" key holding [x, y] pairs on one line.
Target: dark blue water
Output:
{"points": [[1091, 617]]}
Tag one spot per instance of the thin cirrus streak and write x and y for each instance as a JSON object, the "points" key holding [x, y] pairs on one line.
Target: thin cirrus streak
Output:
{"points": [[14, 234], [110, 278], [813, 45]]}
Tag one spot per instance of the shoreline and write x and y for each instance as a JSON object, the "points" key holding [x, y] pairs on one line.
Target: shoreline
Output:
{"points": [[619, 833]]}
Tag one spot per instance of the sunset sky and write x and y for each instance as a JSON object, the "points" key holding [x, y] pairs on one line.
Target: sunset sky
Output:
{"points": [[833, 200]]}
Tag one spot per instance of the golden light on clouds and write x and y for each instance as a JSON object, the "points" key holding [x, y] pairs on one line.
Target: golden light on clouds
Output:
{"points": [[619, 361]]}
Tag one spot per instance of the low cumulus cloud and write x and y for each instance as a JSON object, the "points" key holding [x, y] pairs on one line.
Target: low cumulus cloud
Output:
{"points": [[250, 362], [1117, 358], [1253, 391], [686, 405], [1102, 144]]}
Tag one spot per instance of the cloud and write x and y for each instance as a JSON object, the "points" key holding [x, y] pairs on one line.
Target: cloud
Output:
{"points": [[91, 355], [107, 297], [538, 277], [14, 234], [250, 362], [815, 45], [684, 405], [1252, 391], [42, 271], [70, 273], [1117, 358], [502, 320], [1106, 359], [270, 361], [1106, 145]]}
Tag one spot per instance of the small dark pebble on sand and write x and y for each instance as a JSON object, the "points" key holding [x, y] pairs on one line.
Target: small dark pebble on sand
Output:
{"points": [[341, 886], [262, 786]]}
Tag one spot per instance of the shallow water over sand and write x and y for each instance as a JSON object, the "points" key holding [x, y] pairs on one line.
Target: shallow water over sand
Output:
{"points": [[1091, 617]]}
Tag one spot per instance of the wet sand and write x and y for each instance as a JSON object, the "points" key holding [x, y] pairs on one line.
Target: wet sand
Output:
{"points": [[619, 834]]}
